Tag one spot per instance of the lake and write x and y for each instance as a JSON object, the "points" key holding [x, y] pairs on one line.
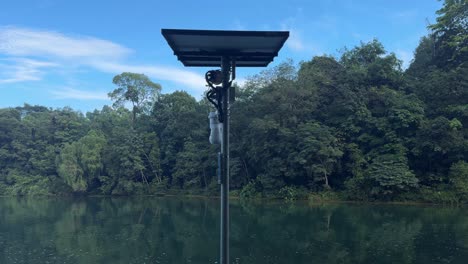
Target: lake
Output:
{"points": [[186, 230]]}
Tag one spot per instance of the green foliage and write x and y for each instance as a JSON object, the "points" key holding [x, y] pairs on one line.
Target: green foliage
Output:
{"points": [[186, 158], [250, 190], [441, 194], [70, 169], [137, 89], [289, 193], [325, 196], [319, 151], [79, 163], [17, 183], [451, 32], [126, 187], [390, 175], [356, 189], [459, 179]]}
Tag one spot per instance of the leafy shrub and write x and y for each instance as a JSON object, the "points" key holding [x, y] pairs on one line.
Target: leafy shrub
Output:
{"points": [[250, 190], [440, 196], [356, 189], [125, 187], [288, 193], [459, 179], [325, 196], [24, 184], [390, 176]]}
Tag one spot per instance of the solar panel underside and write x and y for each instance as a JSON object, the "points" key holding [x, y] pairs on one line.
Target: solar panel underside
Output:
{"points": [[203, 48]]}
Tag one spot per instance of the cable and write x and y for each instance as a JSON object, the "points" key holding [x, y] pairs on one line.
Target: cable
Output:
{"points": [[214, 95]]}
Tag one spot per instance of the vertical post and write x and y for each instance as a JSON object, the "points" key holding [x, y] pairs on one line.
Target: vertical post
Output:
{"points": [[224, 238]]}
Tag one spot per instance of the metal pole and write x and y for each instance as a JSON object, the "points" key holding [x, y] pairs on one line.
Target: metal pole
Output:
{"points": [[224, 239]]}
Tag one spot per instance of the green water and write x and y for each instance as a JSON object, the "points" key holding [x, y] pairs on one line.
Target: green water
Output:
{"points": [[175, 230]]}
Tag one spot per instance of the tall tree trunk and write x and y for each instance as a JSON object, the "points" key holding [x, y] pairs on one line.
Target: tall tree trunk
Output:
{"points": [[143, 177], [326, 181], [325, 175], [158, 178], [204, 178], [245, 168], [134, 109]]}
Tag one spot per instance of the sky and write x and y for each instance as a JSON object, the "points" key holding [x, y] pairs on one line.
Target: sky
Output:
{"points": [[59, 53]]}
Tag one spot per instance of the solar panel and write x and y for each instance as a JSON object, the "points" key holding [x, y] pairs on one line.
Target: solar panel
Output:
{"points": [[205, 48]]}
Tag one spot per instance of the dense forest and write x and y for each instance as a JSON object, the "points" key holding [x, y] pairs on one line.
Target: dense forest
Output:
{"points": [[354, 127]]}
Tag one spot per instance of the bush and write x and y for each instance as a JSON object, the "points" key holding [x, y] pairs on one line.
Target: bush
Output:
{"points": [[440, 195], [356, 189], [19, 183], [107, 183], [390, 176], [58, 187], [125, 187], [459, 179], [158, 187], [250, 190], [325, 196], [3, 189], [289, 193]]}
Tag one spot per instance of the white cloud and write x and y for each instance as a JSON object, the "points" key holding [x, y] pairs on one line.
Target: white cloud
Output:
{"points": [[75, 51], [21, 69], [295, 41], [70, 93], [27, 42]]}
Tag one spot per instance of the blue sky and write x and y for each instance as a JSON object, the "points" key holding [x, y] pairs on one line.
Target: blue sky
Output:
{"points": [[64, 53]]}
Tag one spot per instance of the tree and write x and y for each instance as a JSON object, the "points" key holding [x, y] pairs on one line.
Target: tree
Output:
{"points": [[80, 163], [390, 175], [369, 65], [318, 151], [187, 169], [137, 89], [451, 32], [459, 179], [180, 119], [70, 169]]}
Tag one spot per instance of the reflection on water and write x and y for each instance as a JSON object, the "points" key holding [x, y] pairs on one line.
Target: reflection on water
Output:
{"points": [[176, 230]]}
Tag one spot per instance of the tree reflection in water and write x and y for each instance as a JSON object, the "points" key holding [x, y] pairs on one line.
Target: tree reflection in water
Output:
{"points": [[185, 230]]}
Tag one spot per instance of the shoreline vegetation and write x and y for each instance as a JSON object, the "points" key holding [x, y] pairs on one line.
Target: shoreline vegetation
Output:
{"points": [[310, 198], [355, 127]]}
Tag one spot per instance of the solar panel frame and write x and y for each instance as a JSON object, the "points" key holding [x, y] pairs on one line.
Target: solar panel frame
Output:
{"points": [[205, 48]]}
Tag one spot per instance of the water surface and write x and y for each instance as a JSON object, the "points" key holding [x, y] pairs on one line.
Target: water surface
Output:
{"points": [[185, 230]]}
